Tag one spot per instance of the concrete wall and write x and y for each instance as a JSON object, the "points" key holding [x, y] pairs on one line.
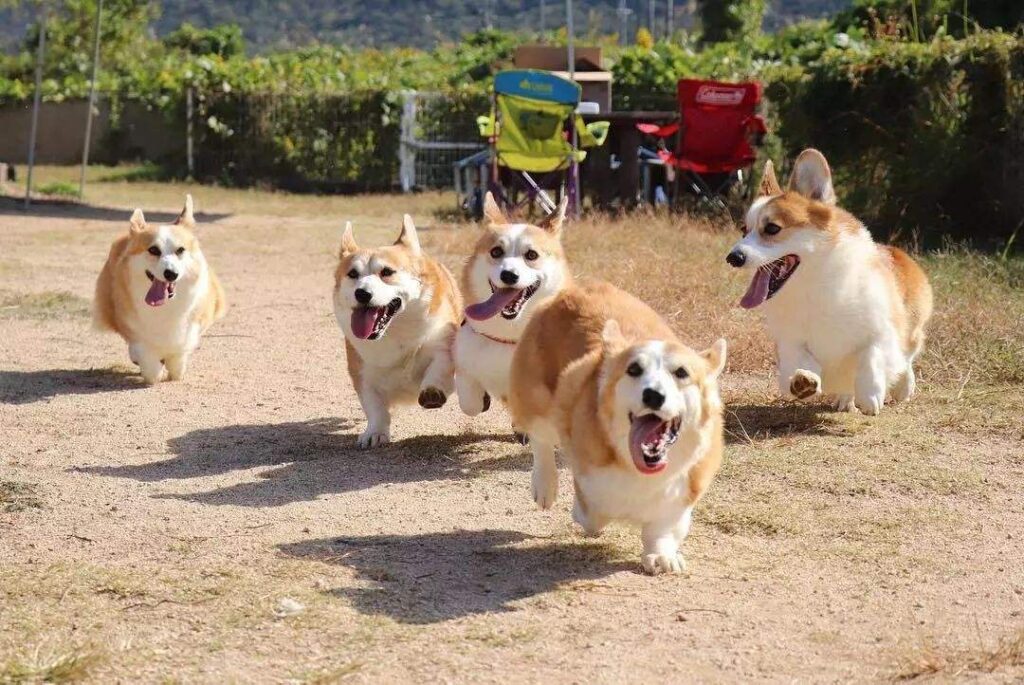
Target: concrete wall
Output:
{"points": [[141, 134]]}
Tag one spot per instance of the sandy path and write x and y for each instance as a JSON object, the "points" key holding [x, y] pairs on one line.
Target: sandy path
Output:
{"points": [[174, 520]]}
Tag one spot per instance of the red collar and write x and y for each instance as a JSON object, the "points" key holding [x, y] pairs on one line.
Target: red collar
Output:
{"points": [[503, 341]]}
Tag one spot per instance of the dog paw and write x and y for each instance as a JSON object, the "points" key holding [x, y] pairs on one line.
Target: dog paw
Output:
{"points": [[845, 404], [432, 398], [805, 384], [870, 405], [471, 405], [544, 483], [655, 564], [372, 438], [904, 388]]}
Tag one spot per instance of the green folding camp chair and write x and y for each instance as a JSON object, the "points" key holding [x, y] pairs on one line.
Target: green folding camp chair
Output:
{"points": [[529, 131]]}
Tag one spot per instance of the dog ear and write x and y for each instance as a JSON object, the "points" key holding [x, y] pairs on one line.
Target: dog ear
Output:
{"points": [[138, 222], [552, 223], [812, 177], [611, 334], [348, 241], [408, 236], [492, 212], [715, 357], [769, 181], [186, 218]]}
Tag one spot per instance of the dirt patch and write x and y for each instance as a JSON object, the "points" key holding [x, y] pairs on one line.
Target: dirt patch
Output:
{"points": [[225, 528]]}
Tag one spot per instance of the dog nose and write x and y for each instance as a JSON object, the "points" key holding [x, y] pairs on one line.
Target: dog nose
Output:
{"points": [[736, 258], [653, 399], [170, 276], [363, 296], [509, 277]]}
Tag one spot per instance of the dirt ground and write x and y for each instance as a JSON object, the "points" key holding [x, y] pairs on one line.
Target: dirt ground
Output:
{"points": [[225, 528]]}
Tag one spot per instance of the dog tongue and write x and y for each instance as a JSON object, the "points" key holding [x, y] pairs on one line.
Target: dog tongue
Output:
{"points": [[758, 290], [645, 429], [363, 321], [157, 293], [498, 300]]}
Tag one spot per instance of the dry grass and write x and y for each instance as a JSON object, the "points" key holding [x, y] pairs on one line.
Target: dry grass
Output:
{"points": [[15, 496], [931, 660], [43, 305], [124, 186], [50, 666], [676, 264]]}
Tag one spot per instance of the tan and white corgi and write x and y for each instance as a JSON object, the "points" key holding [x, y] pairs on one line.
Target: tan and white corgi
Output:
{"points": [[847, 314], [158, 293], [399, 310], [514, 268], [636, 413]]}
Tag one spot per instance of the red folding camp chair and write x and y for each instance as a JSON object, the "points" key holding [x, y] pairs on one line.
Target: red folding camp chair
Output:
{"points": [[717, 131]]}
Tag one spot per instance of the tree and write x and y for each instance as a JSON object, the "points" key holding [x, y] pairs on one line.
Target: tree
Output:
{"points": [[224, 40], [730, 20], [124, 35]]}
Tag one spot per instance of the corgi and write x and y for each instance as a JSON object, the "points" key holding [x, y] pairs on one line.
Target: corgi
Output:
{"points": [[848, 315], [513, 269], [158, 293], [636, 413], [398, 310]]}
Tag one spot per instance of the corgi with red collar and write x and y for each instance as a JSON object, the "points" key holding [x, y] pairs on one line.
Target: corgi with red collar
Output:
{"points": [[158, 293], [513, 270], [635, 412], [848, 315]]}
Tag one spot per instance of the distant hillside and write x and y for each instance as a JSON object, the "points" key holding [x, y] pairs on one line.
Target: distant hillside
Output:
{"points": [[270, 24]]}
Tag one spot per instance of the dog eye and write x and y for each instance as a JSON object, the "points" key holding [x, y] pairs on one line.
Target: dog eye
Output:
{"points": [[387, 271], [531, 255], [772, 229], [634, 370], [180, 251], [497, 252], [352, 273], [154, 250], [681, 373]]}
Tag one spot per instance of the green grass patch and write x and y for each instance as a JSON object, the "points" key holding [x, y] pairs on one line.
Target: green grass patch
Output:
{"points": [[59, 188]]}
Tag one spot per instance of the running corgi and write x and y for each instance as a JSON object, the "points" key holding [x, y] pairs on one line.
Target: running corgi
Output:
{"points": [[847, 314], [636, 413], [513, 269], [399, 310], [158, 293]]}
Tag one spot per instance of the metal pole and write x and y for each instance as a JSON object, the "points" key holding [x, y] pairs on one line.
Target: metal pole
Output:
{"points": [[40, 52], [623, 13], [570, 34], [543, 17], [92, 97], [669, 21], [650, 17], [189, 161]]}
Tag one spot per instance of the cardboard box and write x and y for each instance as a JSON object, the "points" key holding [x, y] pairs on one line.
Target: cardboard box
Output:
{"points": [[596, 83]]}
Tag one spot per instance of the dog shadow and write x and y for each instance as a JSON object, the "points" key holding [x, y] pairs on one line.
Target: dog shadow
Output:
{"points": [[746, 423], [25, 387], [435, 577], [312, 459]]}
